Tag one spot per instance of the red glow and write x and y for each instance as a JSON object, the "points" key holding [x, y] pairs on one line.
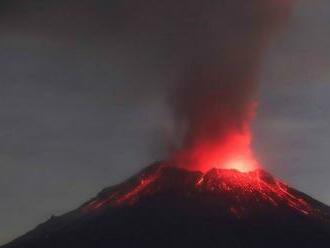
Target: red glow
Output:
{"points": [[233, 152], [229, 149], [240, 192], [127, 196], [257, 184]]}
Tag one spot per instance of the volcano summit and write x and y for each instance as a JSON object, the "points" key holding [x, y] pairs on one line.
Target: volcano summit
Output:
{"points": [[165, 206]]}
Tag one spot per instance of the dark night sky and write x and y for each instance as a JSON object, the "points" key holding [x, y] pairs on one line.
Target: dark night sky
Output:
{"points": [[80, 109]]}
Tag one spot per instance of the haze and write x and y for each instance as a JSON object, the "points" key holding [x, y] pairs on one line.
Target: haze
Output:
{"points": [[75, 117]]}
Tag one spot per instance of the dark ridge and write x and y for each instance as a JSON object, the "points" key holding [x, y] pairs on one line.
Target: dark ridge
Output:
{"points": [[166, 206]]}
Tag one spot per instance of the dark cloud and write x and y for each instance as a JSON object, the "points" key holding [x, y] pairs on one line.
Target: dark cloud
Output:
{"points": [[82, 94], [292, 129], [215, 96]]}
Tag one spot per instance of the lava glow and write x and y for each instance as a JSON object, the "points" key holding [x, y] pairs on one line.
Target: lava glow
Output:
{"points": [[227, 146], [233, 152], [240, 164], [240, 192]]}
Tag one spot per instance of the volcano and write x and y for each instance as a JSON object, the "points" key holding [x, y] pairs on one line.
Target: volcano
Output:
{"points": [[168, 206]]}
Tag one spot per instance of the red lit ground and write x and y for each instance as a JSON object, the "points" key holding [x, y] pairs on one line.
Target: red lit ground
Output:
{"points": [[231, 152], [243, 191]]}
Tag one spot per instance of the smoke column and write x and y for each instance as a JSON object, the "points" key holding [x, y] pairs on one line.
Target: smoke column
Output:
{"points": [[215, 100], [216, 49]]}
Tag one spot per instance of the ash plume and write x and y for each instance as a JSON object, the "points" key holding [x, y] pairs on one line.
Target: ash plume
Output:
{"points": [[216, 48], [204, 54], [217, 94]]}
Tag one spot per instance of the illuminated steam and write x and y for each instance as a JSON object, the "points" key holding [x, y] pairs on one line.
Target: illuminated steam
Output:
{"points": [[215, 101], [215, 48]]}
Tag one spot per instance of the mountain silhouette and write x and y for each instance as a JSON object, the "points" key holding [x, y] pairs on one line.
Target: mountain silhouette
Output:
{"points": [[168, 206]]}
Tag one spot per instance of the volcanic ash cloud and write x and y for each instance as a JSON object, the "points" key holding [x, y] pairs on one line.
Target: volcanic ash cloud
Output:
{"points": [[215, 100], [216, 48]]}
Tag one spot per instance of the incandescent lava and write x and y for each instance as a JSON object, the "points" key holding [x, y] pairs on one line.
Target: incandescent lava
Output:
{"points": [[166, 206], [240, 192]]}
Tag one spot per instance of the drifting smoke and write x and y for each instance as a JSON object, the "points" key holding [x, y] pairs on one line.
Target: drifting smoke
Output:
{"points": [[213, 49], [215, 101], [217, 48]]}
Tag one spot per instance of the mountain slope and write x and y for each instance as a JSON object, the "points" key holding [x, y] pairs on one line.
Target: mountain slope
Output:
{"points": [[164, 206]]}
